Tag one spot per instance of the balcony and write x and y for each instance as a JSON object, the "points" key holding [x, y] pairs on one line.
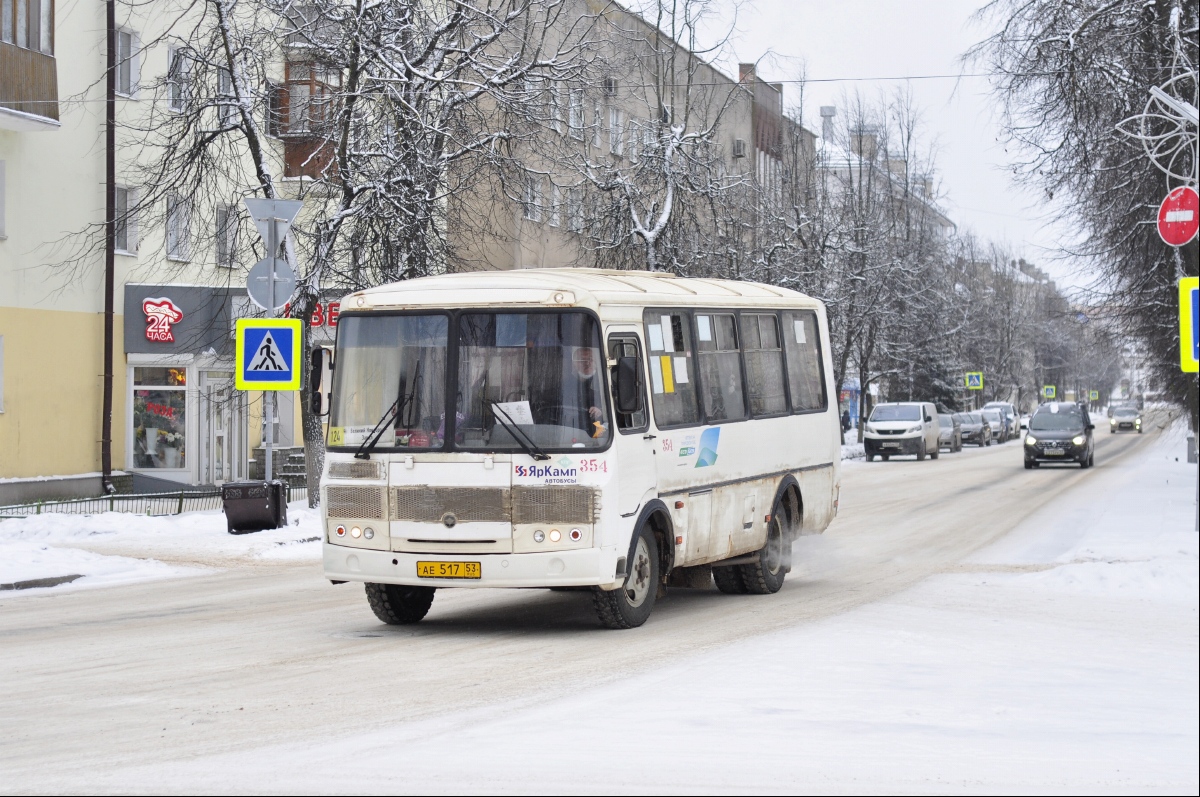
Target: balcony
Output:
{"points": [[28, 89]]}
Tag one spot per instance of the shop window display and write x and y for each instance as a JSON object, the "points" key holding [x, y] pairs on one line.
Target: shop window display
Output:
{"points": [[160, 418]]}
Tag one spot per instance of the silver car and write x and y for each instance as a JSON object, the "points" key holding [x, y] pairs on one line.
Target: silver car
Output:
{"points": [[1125, 419], [949, 432]]}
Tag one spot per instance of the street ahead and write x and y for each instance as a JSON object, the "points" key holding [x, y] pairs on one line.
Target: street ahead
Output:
{"points": [[96, 682]]}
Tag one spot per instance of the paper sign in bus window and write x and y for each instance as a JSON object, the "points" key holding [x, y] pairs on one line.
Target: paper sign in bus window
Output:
{"points": [[799, 324], [656, 337], [668, 336], [667, 377], [704, 327], [656, 380], [681, 371], [516, 411]]}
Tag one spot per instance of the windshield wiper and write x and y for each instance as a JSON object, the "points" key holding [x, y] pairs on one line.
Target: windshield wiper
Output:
{"points": [[372, 439], [531, 448]]}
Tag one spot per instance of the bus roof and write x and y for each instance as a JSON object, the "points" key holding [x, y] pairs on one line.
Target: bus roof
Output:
{"points": [[571, 287]]}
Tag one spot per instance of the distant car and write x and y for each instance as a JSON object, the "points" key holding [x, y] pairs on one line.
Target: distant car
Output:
{"points": [[1024, 421], [1010, 416], [901, 428], [975, 429], [1121, 405], [950, 435], [999, 425], [1060, 432], [1125, 419]]}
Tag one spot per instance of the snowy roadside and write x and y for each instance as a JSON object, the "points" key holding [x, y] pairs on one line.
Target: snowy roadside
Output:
{"points": [[1061, 659], [116, 547]]}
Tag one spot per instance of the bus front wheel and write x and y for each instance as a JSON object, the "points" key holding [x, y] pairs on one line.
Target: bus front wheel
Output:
{"points": [[396, 604], [630, 605]]}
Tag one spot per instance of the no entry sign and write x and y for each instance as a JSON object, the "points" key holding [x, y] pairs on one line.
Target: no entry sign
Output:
{"points": [[1179, 216]]}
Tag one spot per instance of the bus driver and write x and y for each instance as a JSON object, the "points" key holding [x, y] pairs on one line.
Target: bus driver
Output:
{"points": [[586, 415]]}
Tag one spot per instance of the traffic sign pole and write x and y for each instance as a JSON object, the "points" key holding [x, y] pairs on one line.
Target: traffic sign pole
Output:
{"points": [[269, 406]]}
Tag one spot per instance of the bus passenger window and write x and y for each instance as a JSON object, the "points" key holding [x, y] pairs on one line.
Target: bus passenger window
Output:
{"points": [[672, 372], [802, 344], [764, 364], [720, 367]]}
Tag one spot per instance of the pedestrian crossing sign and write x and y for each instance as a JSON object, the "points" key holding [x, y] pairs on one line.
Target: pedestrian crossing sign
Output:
{"points": [[268, 353], [975, 380], [1048, 391], [1093, 395], [1189, 324]]}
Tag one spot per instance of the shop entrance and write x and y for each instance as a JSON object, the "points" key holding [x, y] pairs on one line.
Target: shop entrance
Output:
{"points": [[222, 429]]}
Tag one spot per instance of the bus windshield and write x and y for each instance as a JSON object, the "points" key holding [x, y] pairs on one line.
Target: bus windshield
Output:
{"points": [[530, 375], [390, 364]]}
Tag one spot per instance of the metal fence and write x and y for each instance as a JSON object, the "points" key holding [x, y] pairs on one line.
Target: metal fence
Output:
{"points": [[143, 504]]}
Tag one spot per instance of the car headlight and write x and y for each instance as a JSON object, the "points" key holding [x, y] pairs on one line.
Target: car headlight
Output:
{"points": [[1077, 439], [1030, 439], [1112, 421], [912, 429]]}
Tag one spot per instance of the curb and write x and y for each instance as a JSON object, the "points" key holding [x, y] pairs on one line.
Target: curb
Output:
{"points": [[35, 583]]}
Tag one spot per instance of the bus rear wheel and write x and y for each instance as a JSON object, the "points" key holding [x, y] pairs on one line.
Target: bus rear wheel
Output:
{"points": [[630, 605], [397, 604], [729, 580], [765, 577]]}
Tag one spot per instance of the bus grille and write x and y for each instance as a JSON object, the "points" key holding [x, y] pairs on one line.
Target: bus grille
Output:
{"points": [[494, 505], [554, 505], [355, 470], [355, 502], [467, 504]]}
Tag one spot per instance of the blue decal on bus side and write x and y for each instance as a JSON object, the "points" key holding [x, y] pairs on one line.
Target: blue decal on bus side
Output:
{"points": [[708, 447]]}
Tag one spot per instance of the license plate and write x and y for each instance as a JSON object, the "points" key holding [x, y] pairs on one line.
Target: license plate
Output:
{"points": [[1053, 452], [891, 445], [448, 570]]}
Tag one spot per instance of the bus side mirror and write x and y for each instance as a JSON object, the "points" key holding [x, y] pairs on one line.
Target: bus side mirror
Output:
{"points": [[320, 379], [627, 378]]}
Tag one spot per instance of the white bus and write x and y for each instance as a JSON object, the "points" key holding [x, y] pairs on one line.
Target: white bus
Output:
{"points": [[612, 430]]}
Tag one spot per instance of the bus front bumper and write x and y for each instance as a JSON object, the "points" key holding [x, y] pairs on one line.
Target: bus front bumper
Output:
{"points": [[580, 568]]}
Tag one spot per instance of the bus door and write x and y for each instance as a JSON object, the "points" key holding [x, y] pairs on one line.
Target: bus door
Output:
{"points": [[633, 444]]}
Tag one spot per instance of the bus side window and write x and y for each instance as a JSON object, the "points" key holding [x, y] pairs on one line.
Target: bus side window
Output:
{"points": [[672, 370], [627, 346], [764, 363], [720, 367], [802, 345]]}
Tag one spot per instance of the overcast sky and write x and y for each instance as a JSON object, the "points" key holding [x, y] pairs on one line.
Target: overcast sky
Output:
{"points": [[896, 38]]}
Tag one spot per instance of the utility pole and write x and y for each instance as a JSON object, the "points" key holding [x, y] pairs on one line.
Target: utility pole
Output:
{"points": [[110, 238]]}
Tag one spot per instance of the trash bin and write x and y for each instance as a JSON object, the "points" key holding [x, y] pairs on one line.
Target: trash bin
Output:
{"points": [[1191, 448], [254, 506]]}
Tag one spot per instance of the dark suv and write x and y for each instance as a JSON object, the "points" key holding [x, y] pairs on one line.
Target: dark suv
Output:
{"points": [[1060, 432]]}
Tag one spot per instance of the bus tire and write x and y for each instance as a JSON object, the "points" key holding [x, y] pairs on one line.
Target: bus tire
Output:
{"points": [[397, 604], [765, 577], [729, 580], [630, 605]]}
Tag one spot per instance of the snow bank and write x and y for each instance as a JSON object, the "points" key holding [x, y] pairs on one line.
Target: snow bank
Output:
{"points": [[25, 561], [194, 536]]}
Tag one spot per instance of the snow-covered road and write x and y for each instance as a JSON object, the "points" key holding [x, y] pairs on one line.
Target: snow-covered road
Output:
{"points": [[990, 629]]}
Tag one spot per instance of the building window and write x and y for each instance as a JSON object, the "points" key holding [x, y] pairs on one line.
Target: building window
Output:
{"points": [[226, 234], [124, 220], [575, 113], [672, 386], [28, 24], [635, 142], [160, 418], [764, 364], [555, 219], [310, 91], [597, 124], [720, 367], [556, 107], [226, 109], [178, 228], [575, 209], [127, 47], [533, 198], [177, 79], [616, 131]]}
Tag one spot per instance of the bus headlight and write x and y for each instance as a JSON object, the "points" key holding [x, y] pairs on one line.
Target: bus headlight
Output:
{"points": [[539, 536], [1030, 439], [1077, 440]]}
